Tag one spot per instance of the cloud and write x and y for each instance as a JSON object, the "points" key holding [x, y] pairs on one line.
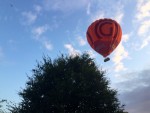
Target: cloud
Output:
{"points": [[144, 27], [48, 45], [125, 37], [120, 54], [97, 15], [143, 9], [40, 30], [143, 20], [72, 51], [38, 35], [138, 101], [37, 8], [65, 5], [91, 53], [135, 90], [88, 11], [81, 41], [100, 9], [133, 80], [119, 14], [145, 42], [29, 17], [120, 67]]}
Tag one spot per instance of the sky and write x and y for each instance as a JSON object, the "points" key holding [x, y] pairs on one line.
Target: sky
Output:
{"points": [[30, 29]]}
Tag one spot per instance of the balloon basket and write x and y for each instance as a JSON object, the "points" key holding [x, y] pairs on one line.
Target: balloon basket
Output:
{"points": [[106, 59]]}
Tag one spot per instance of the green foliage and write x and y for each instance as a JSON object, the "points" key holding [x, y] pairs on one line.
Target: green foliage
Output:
{"points": [[68, 85]]}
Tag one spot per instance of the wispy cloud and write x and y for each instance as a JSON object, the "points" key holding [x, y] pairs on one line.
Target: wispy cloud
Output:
{"points": [[125, 37], [143, 20], [81, 41], [88, 11], [99, 10], [39, 35], [72, 51], [97, 15], [119, 14], [40, 30], [48, 45], [144, 27], [29, 17], [65, 5], [120, 54], [37, 8], [145, 42], [143, 9]]}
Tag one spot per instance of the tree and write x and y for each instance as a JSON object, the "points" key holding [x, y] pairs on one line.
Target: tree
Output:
{"points": [[68, 85], [1, 105]]}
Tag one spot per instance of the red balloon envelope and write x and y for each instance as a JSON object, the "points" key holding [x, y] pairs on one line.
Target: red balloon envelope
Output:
{"points": [[104, 35]]}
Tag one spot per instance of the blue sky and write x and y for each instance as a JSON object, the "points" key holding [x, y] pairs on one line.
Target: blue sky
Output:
{"points": [[30, 29]]}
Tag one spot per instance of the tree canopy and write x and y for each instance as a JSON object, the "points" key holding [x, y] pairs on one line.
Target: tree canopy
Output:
{"points": [[68, 85], [1, 105]]}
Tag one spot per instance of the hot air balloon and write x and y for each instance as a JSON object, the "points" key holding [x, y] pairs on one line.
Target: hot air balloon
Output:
{"points": [[103, 36]]}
